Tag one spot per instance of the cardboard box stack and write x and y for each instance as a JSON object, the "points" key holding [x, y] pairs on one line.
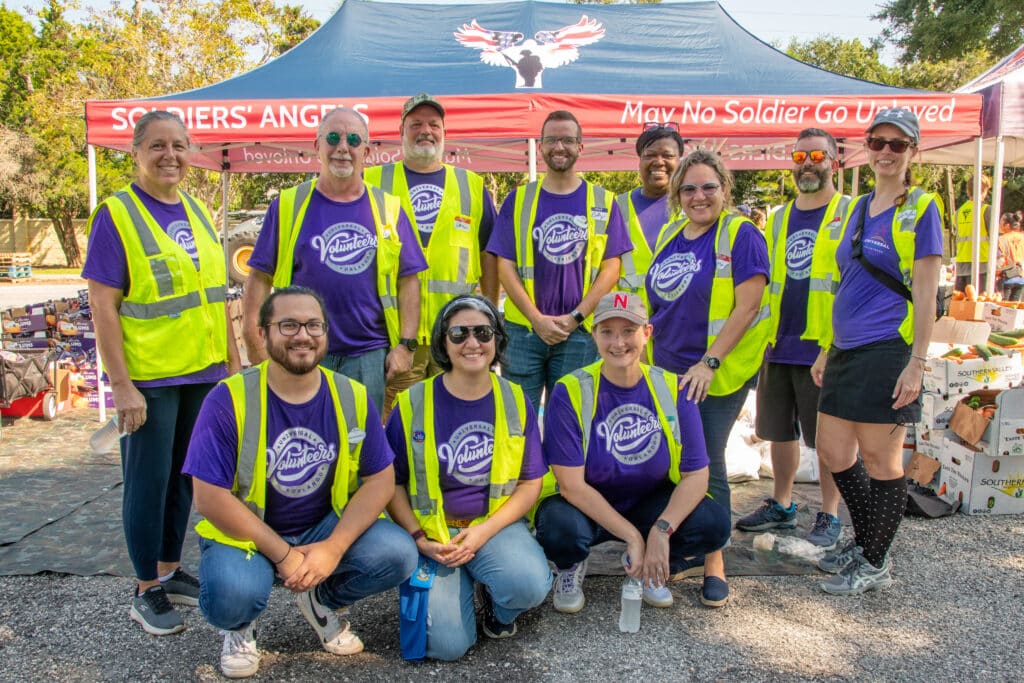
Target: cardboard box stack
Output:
{"points": [[970, 440]]}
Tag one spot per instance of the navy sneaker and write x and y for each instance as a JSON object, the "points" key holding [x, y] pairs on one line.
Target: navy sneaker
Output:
{"points": [[770, 515], [491, 626], [826, 530], [182, 588], [714, 592]]}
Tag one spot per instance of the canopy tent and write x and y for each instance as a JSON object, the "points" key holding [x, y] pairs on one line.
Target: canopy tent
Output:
{"points": [[501, 68]]}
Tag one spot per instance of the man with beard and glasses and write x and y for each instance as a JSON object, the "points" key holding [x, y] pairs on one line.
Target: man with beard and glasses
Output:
{"points": [[787, 397], [452, 215], [351, 243], [558, 243], [291, 470]]}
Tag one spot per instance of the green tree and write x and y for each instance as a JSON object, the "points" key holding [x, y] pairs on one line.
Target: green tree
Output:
{"points": [[933, 31], [847, 57]]}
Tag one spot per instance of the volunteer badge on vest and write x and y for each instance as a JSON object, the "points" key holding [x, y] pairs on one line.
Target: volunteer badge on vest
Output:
{"points": [[463, 223], [599, 213], [418, 436], [356, 435], [530, 57]]}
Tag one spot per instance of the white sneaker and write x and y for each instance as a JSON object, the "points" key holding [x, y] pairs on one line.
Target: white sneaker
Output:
{"points": [[239, 657], [334, 633], [658, 596], [568, 596]]}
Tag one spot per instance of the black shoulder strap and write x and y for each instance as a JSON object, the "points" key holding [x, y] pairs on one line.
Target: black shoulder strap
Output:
{"points": [[883, 277]]}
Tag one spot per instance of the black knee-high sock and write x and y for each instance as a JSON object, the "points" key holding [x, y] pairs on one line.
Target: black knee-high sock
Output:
{"points": [[855, 487], [888, 503]]}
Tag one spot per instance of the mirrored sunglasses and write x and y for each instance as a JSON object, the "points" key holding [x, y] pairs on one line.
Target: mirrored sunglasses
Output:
{"points": [[816, 156], [458, 334], [351, 139]]}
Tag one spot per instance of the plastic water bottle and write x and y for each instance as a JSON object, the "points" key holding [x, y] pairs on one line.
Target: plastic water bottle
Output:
{"points": [[632, 598], [106, 437]]}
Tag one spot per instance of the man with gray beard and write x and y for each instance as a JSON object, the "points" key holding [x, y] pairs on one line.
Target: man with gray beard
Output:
{"points": [[352, 244], [291, 470], [787, 397], [452, 216]]}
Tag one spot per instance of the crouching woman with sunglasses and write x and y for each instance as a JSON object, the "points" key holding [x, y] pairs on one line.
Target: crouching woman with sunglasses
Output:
{"points": [[468, 468], [874, 337]]}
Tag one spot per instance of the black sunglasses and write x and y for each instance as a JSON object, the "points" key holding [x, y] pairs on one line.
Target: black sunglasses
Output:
{"points": [[897, 146], [458, 334], [351, 139]]}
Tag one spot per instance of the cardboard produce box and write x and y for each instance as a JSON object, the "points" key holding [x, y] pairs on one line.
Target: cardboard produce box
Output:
{"points": [[966, 310], [1003, 318], [929, 443], [1003, 434], [952, 376], [984, 485], [936, 410]]}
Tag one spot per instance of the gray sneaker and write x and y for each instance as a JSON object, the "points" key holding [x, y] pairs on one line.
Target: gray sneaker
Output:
{"points": [[567, 597], [826, 530], [859, 576], [182, 588], [155, 613], [834, 561]]}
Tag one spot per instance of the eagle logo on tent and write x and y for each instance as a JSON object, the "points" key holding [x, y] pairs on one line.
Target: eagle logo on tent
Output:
{"points": [[529, 58]]}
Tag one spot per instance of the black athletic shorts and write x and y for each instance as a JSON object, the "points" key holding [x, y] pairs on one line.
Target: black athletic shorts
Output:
{"points": [[859, 383], [787, 403]]}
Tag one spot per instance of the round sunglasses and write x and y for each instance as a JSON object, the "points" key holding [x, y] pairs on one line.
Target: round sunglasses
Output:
{"points": [[458, 334]]}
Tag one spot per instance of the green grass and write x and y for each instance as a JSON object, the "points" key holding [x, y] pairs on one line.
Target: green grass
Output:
{"points": [[54, 270]]}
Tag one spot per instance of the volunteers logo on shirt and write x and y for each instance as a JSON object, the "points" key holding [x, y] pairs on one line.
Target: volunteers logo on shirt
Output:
{"points": [[671, 278], [181, 233], [346, 248], [799, 249], [561, 238], [467, 455], [631, 433], [425, 200], [298, 462]]}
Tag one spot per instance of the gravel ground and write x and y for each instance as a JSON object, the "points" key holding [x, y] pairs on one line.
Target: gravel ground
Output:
{"points": [[953, 614]]}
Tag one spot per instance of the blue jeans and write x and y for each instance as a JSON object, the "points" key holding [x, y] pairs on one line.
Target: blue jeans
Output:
{"points": [[534, 365], [718, 415], [157, 498], [512, 568], [567, 535], [234, 588], [368, 369]]}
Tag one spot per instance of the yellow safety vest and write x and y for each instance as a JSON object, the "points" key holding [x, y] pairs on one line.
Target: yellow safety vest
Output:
{"points": [[582, 387], [743, 361], [249, 398], [385, 208], [964, 229], [636, 263], [527, 198], [453, 253], [169, 301], [777, 235], [416, 409], [904, 227]]}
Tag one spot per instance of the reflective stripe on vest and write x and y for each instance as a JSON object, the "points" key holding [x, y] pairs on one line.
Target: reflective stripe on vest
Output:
{"points": [[723, 271], [527, 199], [416, 412]]}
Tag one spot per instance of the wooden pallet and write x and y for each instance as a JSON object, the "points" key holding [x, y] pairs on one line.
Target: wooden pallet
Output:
{"points": [[15, 272], [15, 259]]}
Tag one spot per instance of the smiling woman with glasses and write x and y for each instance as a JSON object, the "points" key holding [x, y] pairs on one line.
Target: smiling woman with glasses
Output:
{"points": [[710, 312], [874, 340], [468, 468]]}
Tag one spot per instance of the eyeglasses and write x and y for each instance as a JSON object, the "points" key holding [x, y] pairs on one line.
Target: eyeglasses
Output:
{"points": [[897, 146], [655, 125], [351, 139], [707, 189], [552, 140], [460, 333], [816, 155], [290, 328]]}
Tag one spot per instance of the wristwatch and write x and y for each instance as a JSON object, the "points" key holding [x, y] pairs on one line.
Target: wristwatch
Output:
{"points": [[411, 344], [711, 362], [578, 317], [664, 527]]}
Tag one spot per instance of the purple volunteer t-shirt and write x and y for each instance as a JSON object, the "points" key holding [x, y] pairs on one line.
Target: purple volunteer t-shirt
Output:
{"points": [[559, 245], [425, 193], [464, 433], [865, 310], [803, 230], [107, 264], [652, 214], [679, 288], [628, 454], [336, 256], [302, 454]]}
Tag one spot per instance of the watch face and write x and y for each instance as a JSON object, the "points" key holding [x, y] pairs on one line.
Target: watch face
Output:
{"points": [[712, 362], [411, 344], [663, 525]]}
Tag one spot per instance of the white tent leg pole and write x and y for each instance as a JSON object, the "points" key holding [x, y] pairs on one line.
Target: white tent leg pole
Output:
{"points": [[976, 215], [951, 217], [101, 388], [531, 154], [224, 220], [997, 206]]}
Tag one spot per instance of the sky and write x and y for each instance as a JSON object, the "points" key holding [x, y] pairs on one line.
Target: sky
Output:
{"points": [[769, 21]]}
